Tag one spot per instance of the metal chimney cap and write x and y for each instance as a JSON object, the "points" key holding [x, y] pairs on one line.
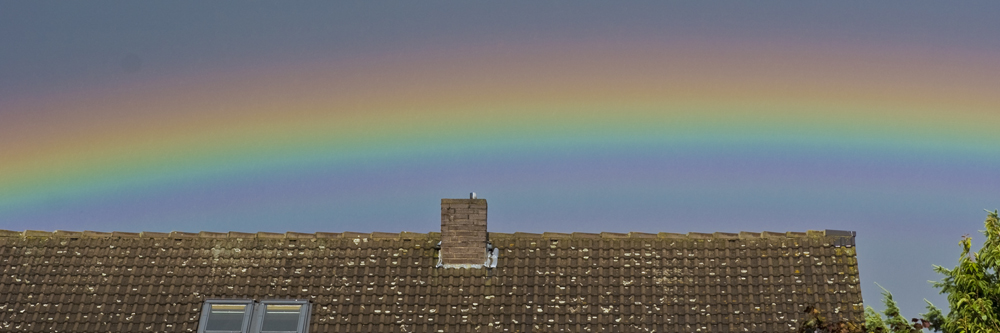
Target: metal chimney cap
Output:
{"points": [[472, 195]]}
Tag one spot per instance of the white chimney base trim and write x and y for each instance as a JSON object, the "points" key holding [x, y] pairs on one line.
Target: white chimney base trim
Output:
{"points": [[492, 255]]}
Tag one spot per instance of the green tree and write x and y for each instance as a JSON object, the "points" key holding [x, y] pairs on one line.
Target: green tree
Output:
{"points": [[893, 323], [973, 287], [873, 322], [933, 319]]}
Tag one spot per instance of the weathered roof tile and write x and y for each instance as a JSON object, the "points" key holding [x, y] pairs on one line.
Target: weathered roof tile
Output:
{"points": [[95, 234], [699, 235], [815, 233], [36, 233], [149, 234], [772, 234], [180, 235], [670, 235], [121, 234], [389, 283], [241, 235], [296, 235], [725, 235], [385, 235], [207, 234], [348, 234], [406, 235], [555, 235], [270, 235]]}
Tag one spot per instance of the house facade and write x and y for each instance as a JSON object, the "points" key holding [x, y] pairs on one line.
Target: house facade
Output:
{"points": [[462, 279]]}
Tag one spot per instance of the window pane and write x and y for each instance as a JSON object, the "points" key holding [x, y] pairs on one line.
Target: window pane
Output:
{"points": [[281, 317], [226, 317]]}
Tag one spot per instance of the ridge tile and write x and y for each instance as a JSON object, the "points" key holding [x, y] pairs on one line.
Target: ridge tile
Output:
{"points": [[150, 234]]}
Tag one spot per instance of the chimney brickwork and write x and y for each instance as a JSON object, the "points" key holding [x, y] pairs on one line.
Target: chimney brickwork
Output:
{"points": [[463, 232]]}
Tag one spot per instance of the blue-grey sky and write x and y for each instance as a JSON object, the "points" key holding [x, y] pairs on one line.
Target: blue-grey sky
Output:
{"points": [[97, 99]]}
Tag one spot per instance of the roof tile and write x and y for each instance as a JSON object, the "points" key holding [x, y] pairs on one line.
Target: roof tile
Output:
{"points": [[385, 235], [270, 235], [149, 234], [349, 234], [207, 234], [725, 235], [772, 234], [299, 235], [180, 235], [36, 233], [625, 282], [241, 235], [699, 235], [555, 235], [121, 234], [89, 233], [405, 235]]}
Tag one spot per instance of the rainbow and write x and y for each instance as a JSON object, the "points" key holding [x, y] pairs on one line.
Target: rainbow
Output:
{"points": [[522, 102]]}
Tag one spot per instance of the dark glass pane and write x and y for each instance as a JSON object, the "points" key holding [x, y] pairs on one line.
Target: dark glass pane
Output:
{"points": [[226, 317], [281, 318]]}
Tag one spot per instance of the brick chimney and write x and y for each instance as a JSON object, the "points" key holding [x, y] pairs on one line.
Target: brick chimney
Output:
{"points": [[463, 233]]}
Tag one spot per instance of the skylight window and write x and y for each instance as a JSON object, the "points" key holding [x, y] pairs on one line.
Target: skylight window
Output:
{"points": [[247, 316], [225, 316], [282, 316]]}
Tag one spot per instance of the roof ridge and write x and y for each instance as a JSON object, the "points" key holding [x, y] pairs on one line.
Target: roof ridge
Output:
{"points": [[407, 235]]}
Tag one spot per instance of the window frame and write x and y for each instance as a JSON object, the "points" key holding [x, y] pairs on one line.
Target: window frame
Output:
{"points": [[253, 317], [206, 311], [257, 324]]}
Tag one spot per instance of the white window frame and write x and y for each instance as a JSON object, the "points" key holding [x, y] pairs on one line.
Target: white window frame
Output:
{"points": [[253, 318]]}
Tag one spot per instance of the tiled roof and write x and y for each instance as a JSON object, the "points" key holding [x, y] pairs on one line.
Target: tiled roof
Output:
{"points": [[387, 282]]}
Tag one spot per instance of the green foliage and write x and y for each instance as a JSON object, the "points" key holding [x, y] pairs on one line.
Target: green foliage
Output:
{"points": [[873, 322], [893, 318], [973, 287], [933, 319], [893, 323]]}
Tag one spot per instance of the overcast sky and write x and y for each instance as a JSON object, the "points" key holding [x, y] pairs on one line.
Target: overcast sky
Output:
{"points": [[91, 77]]}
